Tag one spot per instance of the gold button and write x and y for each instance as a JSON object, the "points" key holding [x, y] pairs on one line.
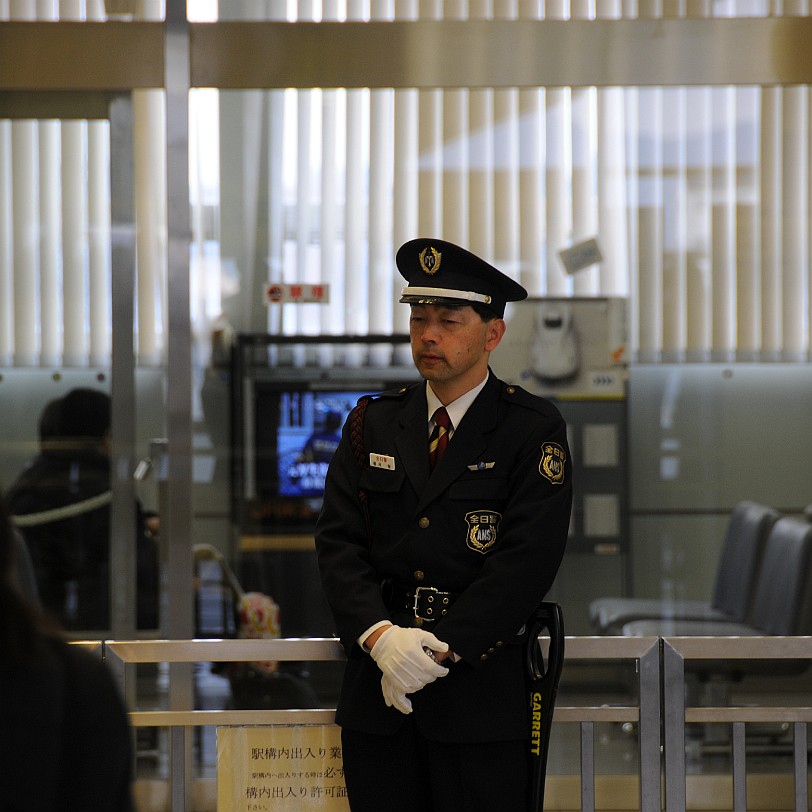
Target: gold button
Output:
{"points": [[483, 657], [511, 390], [419, 575], [499, 644], [424, 522]]}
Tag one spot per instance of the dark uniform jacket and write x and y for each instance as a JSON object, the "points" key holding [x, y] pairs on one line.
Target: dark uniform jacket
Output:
{"points": [[489, 524]]}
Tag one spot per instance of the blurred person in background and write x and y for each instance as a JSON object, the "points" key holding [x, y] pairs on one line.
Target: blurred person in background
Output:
{"points": [[61, 502], [66, 743]]}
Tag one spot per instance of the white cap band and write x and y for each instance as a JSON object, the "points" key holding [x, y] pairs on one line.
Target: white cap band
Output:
{"points": [[446, 293]]}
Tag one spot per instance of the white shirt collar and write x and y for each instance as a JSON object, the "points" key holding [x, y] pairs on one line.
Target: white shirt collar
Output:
{"points": [[456, 409]]}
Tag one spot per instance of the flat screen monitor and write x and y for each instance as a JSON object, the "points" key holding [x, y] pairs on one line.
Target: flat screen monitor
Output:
{"points": [[291, 435]]}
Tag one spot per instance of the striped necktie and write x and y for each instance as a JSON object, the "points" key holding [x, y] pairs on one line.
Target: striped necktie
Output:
{"points": [[439, 437]]}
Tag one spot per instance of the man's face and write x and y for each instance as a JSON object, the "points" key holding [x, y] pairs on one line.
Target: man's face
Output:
{"points": [[451, 345]]}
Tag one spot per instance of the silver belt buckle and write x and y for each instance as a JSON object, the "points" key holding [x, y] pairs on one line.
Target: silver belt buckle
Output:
{"points": [[432, 593]]}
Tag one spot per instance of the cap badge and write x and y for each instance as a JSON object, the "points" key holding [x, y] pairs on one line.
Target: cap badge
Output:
{"points": [[430, 259]]}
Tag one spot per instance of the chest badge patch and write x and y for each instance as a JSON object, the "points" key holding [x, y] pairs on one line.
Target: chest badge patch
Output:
{"points": [[483, 530], [552, 462]]}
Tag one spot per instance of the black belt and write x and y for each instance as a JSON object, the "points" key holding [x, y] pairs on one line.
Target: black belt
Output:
{"points": [[426, 603]]}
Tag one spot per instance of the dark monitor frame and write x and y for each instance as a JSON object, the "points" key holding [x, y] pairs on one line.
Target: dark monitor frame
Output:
{"points": [[267, 370]]}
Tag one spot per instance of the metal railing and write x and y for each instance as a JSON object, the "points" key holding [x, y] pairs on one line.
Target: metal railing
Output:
{"points": [[720, 655], [659, 712], [642, 653]]}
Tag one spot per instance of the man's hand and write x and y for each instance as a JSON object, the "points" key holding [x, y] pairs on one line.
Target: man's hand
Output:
{"points": [[399, 654]]}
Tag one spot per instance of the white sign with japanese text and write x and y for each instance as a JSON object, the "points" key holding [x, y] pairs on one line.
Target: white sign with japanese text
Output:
{"points": [[297, 293], [280, 768]]}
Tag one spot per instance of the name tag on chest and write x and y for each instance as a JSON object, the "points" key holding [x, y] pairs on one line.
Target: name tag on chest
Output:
{"points": [[381, 461]]}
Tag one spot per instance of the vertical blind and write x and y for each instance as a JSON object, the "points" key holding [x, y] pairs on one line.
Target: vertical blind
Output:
{"points": [[698, 198]]}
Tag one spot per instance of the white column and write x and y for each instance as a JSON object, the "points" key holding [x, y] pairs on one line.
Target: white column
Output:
{"points": [[584, 180], [50, 228], [6, 248], [613, 237], [405, 188], [795, 207], [275, 117], [150, 210], [304, 207], [74, 242], [558, 177], [24, 223], [481, 156], [506, 165], [673, 223], [481, 193], [50, 238], [613, 234], [723, 277], [19, 10], [381, 169], [631, 118], [770, 221], [276, 146], [532, 154], [558, 174], [650, 214], [584, 204], [355, 210], [650, 224], [430, 169], [25, 208], [455, 151], [99, 246], [532, 201], [331, 269], [748, 299], [74, 226], [795, 340], [698, 220]]}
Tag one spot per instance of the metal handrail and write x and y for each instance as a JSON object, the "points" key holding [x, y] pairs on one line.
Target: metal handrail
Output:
{"points": [[643, 652], [677, 652], [658, 702]]}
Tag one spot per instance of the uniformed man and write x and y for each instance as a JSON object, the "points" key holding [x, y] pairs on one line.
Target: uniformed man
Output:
{"points": [[432, 572]]}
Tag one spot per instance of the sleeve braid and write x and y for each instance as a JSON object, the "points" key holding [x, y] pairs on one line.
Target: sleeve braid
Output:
{"points": [[357, 442]]}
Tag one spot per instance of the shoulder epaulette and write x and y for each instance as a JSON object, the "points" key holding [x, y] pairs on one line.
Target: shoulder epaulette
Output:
{"points": [[399, 392], [516, 394]]}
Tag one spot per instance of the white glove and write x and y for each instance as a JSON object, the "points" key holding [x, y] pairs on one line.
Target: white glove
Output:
{"points": [[394, 697], [399, 654]]}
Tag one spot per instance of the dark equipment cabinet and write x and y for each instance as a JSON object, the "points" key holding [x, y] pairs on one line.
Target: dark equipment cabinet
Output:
{"points": [[289, 398]]}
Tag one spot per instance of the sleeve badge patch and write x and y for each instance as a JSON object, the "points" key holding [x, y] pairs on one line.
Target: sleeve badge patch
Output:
{"points": [[552, 462]]}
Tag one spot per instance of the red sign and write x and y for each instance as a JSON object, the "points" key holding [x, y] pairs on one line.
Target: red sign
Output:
{"points": [[296, 293]]}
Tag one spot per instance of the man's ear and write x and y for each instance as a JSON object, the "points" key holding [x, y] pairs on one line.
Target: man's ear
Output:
{"points": [[494, 331]]}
